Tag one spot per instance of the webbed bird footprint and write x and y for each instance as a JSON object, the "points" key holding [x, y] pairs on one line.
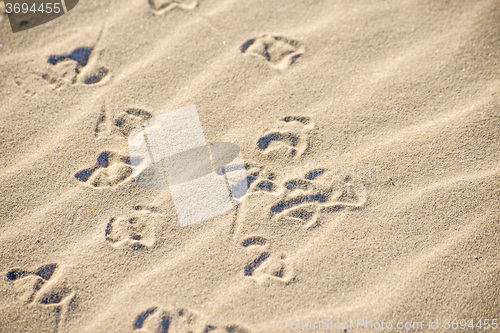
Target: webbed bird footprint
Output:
{"points": [[3, 12], [73, 67], [297, 201], [110, 170], [280, 52], [288, 138], [160, 7], [136, 230], [258, 179]]}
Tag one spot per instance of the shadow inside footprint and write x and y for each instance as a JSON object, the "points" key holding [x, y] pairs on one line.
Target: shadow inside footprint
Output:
{"points": [[45, 272], [84, 175], [258, 180], [301, 119], [44, 287], [164, 324], [270, 267], [264, 142]]}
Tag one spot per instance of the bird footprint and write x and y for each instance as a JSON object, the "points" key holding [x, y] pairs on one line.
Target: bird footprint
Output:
{"points": [[266, 265], [110, 170], [288, 138], [136, 230], [280, 52]]}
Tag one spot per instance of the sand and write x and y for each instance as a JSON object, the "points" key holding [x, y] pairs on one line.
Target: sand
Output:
{"points": [[370, 130]]}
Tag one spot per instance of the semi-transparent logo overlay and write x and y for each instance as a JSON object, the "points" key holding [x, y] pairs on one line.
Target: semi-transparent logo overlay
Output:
{"points": [[205, 179]]}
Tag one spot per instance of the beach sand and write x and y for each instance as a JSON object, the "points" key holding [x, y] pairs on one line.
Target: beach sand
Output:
{"points": [[370, 132]]}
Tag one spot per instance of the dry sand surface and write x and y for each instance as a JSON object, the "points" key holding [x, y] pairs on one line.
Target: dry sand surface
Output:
{"points": [[370, 130]]}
